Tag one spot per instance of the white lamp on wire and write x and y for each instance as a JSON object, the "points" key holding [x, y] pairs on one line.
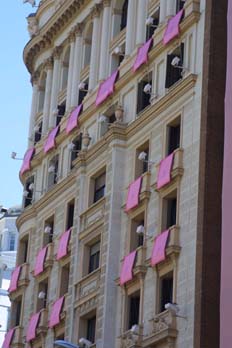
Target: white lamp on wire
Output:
{"points": [[82, 87], [83, 342]]}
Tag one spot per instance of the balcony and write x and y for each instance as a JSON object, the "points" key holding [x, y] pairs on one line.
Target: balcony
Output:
{"points": [[88, 286], [177, 169], [128, 340], [92, 215], [17, 341], [163, 329]]}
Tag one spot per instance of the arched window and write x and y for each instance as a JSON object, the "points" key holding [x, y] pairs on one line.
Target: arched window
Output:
{"points": [[87, 44], [42, 85], [124, 15], [65, 66]]}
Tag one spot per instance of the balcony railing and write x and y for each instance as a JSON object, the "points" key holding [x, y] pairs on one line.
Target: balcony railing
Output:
{"points": [[88, 285], [94, 213]]}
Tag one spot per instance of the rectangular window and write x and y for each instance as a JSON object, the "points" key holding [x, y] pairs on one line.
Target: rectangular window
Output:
{"points": [[141, 166], [166, 290], [70, 214], [64, 279], [91, 328], [94, 257], [42, 295], [137, 232], [53, 171], [77, 144], [174, 71], [60, 112], [99, 187], [173, 136], [169, 210], [48, 231], [83, 92], [134, 303], [144, 93], [179, 5], [28, 191], [38, 132], [11, 242], [152, 26], [16, 312], [23, 250]]}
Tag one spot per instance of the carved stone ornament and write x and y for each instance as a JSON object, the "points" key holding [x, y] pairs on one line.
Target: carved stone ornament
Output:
{"points": [[129, 340], [57, 52], [32, 27], [96, 10], [163, 321]]}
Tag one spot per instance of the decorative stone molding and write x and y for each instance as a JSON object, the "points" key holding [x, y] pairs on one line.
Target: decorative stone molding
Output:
{"points": [[33, 26], [78, 29], [48, 64], [106, 3], [57, 52], [130, 340], [96, 10], [35, 78], [72, 36]]}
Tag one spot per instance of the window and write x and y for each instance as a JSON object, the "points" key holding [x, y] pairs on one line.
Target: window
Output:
{"points": [[53, 171], [166, 290], [136, 238], [144, 94], [48, 231], [83, 92], [124, 15], [99, 187], [61, 111], [179, 5], [87, 327], [41, 97], [77, 142], [174, 72], [133, 303], [169, 210], [152, 27], [91, 327], [23, 250], [87, 45], [28, 191], [105, 120], [94, 257], [141, 167], [64, 279], [173, 136], [38, 132], [117, 58], [70, 214], [16, 312], [11, 242], [42, 295]]}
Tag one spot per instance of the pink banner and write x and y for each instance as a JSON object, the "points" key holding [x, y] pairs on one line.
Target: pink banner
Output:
{"points": [[173, 27], [133, 192], [26, 166], [226, 272], [142, 55], [55, 313], [14, 279], [32, 326], [106, 88], [127, 268], [158, 251], [63, 245], [40, 259], [164, 172], [8, 338], [50, 143], [73, 119]]}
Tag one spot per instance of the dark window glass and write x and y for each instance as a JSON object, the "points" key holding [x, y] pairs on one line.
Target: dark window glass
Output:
{"points": [[61, 111], [124, 15], [29, 197], [38, 134], [143, 99], [18, 313], [174, 74], [171, 212], [166, 291], [174, 138], [91, 327], [94, 257], [74, 154], [179, 5], [134, 311], [82, 94], [70, 215], [152, 28], [25, 249], [99, 189]]}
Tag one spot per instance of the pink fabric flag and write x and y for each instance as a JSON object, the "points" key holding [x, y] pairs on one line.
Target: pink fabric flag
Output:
{"points": [[32, 326], [106, 88], [133, 194], [14, 279], [26, 166], [55, 314], [73, 119], [40, 259], [142, 55], [164, 172], [226, 235], [158, 251], [50, 143], [63, 244], [127, 268], [173, 27], [8, 338]]}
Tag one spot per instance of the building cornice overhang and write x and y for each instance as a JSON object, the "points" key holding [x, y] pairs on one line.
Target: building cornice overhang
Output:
{"points": [[62, 17]]}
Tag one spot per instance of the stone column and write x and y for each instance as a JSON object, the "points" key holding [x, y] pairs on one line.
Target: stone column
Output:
{"points": [[34, 81], [76, 65], [170, 8], [48, 90], [131, 26], [72, 38], [55, 85], [105, 37], [163, 7], [94, 59], [141, 22]]}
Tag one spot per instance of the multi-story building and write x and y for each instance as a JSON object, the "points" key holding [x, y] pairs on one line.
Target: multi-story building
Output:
{"points": [[119, 240], [8, 247]]}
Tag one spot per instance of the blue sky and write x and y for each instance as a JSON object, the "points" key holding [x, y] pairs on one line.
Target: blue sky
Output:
{"points": [[15, 91]]}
